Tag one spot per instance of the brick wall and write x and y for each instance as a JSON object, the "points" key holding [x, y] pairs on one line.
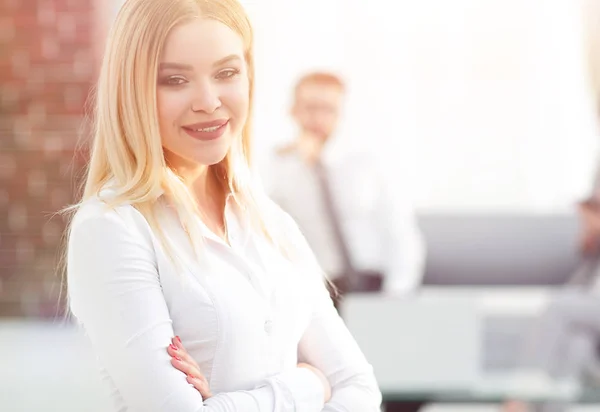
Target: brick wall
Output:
{"points": [[48, 62]]}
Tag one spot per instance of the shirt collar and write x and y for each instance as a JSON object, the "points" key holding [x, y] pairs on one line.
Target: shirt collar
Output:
{"points": [[237, 223]]}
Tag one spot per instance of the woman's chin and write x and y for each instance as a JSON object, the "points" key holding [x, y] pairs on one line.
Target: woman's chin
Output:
{"points": [[209, 157], [214, 160]]}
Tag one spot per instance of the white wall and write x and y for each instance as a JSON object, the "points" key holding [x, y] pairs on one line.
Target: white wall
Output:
{"points": [[480, 104]]}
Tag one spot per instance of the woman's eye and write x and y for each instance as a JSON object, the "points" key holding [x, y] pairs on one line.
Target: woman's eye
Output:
{"points": [[227, 73], [174, 81]]}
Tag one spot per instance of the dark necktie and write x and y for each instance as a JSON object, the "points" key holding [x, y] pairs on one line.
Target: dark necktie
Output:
{"points": [[334, 220]]}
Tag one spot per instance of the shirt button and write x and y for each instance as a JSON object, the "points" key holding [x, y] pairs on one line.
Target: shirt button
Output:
{"points": [[269, 327]]}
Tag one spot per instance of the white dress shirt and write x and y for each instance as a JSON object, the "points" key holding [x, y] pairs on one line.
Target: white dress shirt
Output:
{"points": [[245, 313], [378, 224]]}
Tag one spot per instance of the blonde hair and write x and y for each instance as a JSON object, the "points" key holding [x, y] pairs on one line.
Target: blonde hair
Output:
{"points": [[127, 150]]}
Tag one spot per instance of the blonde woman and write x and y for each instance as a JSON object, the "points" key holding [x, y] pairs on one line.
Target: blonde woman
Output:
{"points": [[173, 238]]}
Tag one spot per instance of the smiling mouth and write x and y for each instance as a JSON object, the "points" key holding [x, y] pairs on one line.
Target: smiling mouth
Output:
{"points": [[206, 133], [207, 129]]}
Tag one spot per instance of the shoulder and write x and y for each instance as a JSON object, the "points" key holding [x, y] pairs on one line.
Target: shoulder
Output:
{"points": [[105, 223], [103, 238], [96, 210], [360, 162], [285, 157], [109, 250], [372, 172]]}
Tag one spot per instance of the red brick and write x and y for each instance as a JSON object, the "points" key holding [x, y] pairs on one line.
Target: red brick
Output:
{"points": [[42, 98]]}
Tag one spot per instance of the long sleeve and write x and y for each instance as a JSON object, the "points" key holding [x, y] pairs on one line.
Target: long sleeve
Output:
{"points": [[404, 245], [115, 292], [328, 345]]}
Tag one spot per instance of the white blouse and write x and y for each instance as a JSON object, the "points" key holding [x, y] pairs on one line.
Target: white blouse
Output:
{"points": [[243, 311]]}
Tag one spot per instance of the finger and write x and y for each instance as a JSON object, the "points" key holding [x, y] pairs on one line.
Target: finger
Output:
{"points": [[200, 385], [186, 367], [173, 351], [177, 342], [182, 354]]}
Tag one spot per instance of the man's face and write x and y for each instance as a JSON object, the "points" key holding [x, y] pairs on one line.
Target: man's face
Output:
{"points": [[317, 108]]}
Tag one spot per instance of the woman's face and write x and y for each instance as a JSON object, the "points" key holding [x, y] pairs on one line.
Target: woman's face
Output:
{"points": [[202, 93]]}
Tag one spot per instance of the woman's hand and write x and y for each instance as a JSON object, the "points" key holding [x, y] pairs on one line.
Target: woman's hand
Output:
{"points": [[182, 361], [321, 376]]}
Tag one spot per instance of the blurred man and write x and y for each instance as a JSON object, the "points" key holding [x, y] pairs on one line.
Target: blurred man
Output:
{"points": [[364, 237]]}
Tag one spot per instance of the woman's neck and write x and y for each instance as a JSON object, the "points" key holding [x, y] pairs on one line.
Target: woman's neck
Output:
{"points": [[209, 195]]}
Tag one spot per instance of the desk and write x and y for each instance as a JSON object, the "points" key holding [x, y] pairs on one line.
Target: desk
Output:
{"points": [[430, 347]]}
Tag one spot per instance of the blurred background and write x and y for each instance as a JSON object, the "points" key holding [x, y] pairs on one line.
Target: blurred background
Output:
{"points": [[484, 114]]}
